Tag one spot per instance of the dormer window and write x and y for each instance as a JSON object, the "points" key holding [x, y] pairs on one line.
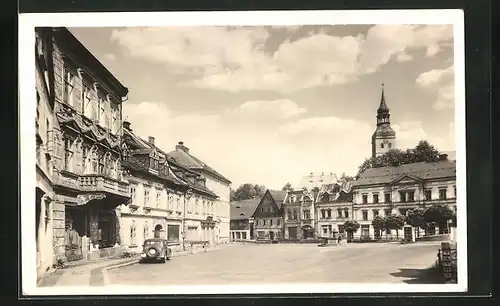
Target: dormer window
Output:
{"points": [[153, 163]]}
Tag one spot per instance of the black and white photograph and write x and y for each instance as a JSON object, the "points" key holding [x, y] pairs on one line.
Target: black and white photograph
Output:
{"points": [[243, 152]]}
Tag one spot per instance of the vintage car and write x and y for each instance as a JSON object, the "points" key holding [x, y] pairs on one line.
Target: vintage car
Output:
{"points": [[156, 249]]}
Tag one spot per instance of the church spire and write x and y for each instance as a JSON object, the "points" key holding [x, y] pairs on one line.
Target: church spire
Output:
{"points": [[383, 106]]}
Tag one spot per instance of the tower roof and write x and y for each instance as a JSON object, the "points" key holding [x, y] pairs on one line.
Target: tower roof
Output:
{"points": [[383, 106]]}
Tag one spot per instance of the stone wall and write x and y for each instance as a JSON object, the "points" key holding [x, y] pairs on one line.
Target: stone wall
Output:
{"points": [[58, 219]]}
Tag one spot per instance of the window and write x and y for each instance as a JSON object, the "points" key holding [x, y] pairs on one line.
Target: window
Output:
{"points": [[365, 215], [173, 232], [94, 160], [389, 145], [132, 194], [68, 155], [387, 198], [375, 213], [346, 213], [132, 234], [289, 213], [339, 213], [325, 229], [244, 235], [295, 214], [411, 196], [69, 80], [328, 213], [402, 196], [381, 145], [323, 214], [146, 196], [278, 222], [442, 194], [428, 194], [375, 198], [146, 230], [403, 211], [365, 198], [158, 198], [307, 214], [270, 209], [270, 221], [262, 209]]}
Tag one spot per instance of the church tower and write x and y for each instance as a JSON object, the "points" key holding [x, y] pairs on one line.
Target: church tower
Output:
{"points": [[384, 137]]}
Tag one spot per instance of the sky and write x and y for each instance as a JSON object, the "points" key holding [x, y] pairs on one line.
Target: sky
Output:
{"points": [[269, 105]]}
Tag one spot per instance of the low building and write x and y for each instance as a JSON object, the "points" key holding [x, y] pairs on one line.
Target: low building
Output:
{"points": [[268, 217], [215, 181], [242, 219], [333, 208], [298, 210], [395, 190]]}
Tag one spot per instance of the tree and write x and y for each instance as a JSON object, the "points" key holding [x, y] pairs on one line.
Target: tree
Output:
{"points": [[423, 152], [351, 227], [395, 222], [346, 178], [287, 187], [439, 214], [415, 218], [378, 224], [247, 191]]}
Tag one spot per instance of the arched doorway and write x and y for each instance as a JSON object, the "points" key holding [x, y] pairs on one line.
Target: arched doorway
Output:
{"points": [[158, 230], [307, 232]]}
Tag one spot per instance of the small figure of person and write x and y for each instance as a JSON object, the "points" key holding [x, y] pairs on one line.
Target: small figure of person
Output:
{"points": [[339, 239]]}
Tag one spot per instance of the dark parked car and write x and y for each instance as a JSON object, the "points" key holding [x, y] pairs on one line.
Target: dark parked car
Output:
{"points": [[156, 249]]}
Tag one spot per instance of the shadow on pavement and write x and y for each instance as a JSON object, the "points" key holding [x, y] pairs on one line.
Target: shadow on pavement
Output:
{"points": [[430, 275]]}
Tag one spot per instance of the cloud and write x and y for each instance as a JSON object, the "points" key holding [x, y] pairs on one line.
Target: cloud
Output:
{"points": [[266, 142], [441, 82], [235, 58], [404, 57]]}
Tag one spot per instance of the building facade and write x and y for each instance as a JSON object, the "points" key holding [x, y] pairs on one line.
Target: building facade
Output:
{"points": [[242, 219], [384, 137], [299, 212], [395, 190], [167, 201], [268, 216], [84, 148], [45, 124], [215, 181], [333, 209]]}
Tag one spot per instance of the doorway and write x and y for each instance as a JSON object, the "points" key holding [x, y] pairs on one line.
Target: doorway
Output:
{"points": [[157, 231], [271, 235], [307, 232], [292, 232]]}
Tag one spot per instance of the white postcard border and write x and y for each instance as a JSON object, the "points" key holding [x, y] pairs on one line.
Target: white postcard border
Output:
{"points": [[27, 23]]}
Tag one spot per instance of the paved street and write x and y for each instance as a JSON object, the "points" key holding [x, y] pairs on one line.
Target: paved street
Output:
{"points": [[289, 263]]}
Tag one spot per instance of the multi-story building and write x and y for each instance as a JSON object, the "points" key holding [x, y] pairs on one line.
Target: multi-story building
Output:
{"points": [[242, 221], [215, 181], [45, 124], [84, 148], [268, 217], [395, 190], [167, 200], [298, 210], [333, 208]]}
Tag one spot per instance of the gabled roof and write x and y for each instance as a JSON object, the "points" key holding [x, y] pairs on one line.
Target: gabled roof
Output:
{"points": [[278, 196], [243, 209], [189, 161], [422, 170], [133, 164]]}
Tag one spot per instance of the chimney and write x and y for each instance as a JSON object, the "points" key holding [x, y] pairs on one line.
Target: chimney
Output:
{"points": [[181, 146], [151, 140], [126, 125]]}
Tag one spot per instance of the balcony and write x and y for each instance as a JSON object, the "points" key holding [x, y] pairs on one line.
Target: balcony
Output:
{"points": [[93, 183]]}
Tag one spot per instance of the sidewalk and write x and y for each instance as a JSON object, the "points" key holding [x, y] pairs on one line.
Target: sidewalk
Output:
{"points": [[93, 273]]}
